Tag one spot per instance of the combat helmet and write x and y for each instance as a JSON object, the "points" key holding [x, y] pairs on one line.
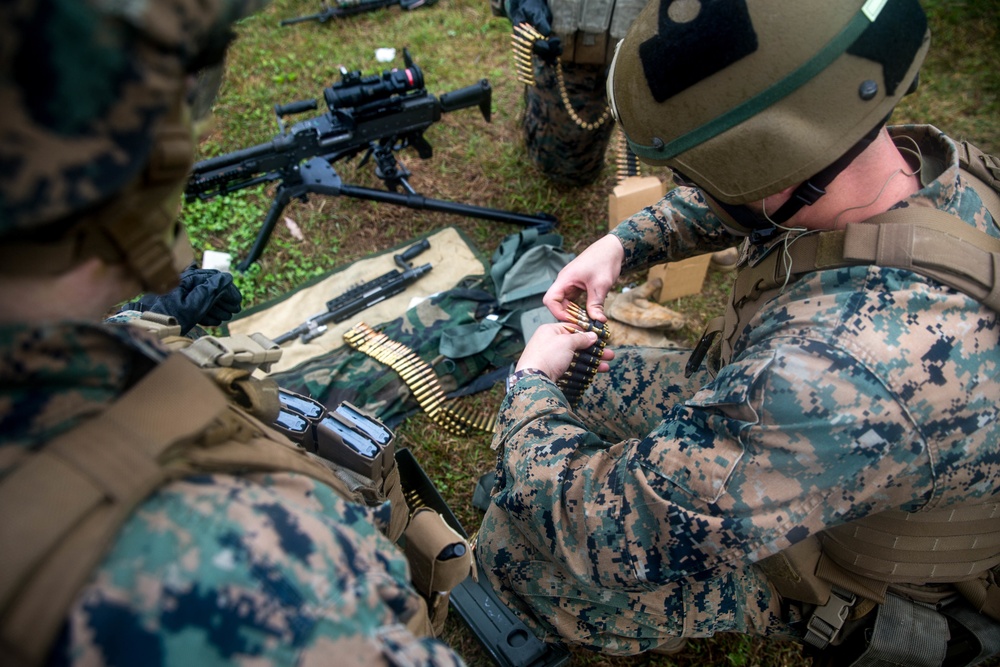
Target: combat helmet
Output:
{"points": [[95, 134], [746, 98]]}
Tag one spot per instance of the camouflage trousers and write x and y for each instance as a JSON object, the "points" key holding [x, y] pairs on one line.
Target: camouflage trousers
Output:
{"points": [[558, 595], [565, 152]]}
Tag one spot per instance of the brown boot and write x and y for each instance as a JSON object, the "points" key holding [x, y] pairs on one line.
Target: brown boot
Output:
{"points": [[671, 646], [637, 308], [725, 260]]}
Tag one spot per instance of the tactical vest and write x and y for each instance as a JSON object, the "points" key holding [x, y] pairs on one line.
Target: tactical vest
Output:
{"points": [[906, 563], [65, 502], [590, 29]]}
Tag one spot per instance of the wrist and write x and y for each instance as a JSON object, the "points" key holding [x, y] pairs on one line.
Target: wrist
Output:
{"points": [[514, 377]]}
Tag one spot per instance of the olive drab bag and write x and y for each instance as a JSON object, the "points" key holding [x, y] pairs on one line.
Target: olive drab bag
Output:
{"points": [[908, 566], [461, 333]]}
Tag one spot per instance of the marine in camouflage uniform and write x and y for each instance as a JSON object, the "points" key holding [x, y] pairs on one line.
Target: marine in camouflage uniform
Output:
{"points": [[562, 150], [568, 151], [638, 516], [275, 568], [635, 517], [269, 568]]}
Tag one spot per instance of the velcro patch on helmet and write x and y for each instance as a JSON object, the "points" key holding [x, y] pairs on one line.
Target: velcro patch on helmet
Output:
{"points": [[706, 36], [893, 41]]}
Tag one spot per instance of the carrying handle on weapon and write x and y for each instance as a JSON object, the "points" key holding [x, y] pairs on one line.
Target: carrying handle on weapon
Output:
{"points": [[281, 110], [478, 93], [295, 107], [403, 259]]}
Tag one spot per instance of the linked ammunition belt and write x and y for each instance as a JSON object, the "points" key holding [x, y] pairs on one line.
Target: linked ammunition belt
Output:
{"points": [[585, 362], [423, 382], [627, 162], [523, 43]]}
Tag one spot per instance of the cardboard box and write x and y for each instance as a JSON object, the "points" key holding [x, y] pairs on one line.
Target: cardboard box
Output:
{"points": [[632, 195], [679, 278]]}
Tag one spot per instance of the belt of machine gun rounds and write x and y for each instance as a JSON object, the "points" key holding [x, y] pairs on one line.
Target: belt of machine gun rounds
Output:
{"points": [[522, 42], [585, 362], [627, 162], [420, 377]]}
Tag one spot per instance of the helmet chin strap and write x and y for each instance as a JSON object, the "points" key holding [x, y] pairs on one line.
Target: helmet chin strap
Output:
{"points": [[810, 190], [741, 220]]}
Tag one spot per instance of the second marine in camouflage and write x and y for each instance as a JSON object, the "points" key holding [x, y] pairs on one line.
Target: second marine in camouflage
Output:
{"points": [[566, 121], [148, 518]]}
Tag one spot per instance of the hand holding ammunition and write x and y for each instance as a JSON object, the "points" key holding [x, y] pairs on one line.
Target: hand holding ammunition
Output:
{"points": [[555, 348], [592, 273]]}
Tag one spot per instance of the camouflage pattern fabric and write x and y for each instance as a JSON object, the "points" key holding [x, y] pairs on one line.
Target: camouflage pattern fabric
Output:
{"points": [[68, 68], [638, 517], [565, 152], [348, 375], [214, 569]]}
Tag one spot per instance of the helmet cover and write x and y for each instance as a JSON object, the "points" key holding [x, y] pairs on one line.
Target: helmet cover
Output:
{"points": [[94, 98], [747, 98]]}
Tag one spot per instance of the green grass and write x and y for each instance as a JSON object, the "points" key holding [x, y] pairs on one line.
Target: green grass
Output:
{"points": [[456, 43]]}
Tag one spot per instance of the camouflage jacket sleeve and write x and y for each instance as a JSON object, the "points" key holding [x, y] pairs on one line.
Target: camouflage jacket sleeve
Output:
{"points": [[213, 569], [678, 226], [854, 391], [262, 569]]}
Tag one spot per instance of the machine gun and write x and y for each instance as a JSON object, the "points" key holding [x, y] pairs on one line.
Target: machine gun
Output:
{"points": [[348, 8], [356, 299], [374, 115]]}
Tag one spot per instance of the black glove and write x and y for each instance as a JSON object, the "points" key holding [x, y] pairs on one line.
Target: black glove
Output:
{"points": [[535, 12], [204, 296], [549, 49]]}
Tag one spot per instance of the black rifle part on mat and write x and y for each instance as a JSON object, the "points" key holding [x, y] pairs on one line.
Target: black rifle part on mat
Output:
{"points": [[363, 296], [374, 115], [505, 637], [349, 8]]}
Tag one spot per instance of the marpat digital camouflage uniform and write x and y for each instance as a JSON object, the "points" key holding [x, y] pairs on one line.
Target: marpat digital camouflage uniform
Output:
{"points": [[638, 516], [268, 569], [565, 152], [211, 569]]}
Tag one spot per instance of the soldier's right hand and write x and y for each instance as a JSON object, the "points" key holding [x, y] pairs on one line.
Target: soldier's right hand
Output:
{"points": [[593, 272]]}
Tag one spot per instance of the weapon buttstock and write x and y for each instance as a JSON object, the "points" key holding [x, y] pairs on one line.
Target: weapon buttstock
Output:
{"points": [[480, 94]]}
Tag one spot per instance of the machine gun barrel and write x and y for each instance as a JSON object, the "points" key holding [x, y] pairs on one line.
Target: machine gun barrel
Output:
{"points": [[238, 156], [233, 171]]}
